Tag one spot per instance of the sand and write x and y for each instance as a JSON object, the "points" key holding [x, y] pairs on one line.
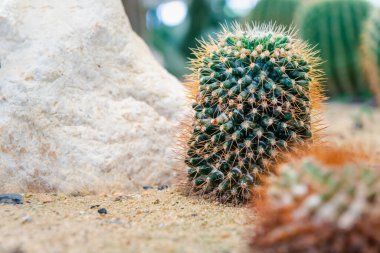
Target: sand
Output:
{"points": [[153, 220]]}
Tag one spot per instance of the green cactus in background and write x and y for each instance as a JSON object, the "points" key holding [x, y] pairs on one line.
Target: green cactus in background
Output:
{"points": [[335, 26], [371, 53], [279, 11], [326, 201], [199, 21], [254, 90]]}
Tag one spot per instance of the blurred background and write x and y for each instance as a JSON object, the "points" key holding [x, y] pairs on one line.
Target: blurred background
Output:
{"points": [[336, 27]]}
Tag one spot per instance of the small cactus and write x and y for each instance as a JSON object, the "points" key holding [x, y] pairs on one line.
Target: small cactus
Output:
{"points": [[279, 11], [254, 90], [335, 27], [324, 201], [371, 52]]}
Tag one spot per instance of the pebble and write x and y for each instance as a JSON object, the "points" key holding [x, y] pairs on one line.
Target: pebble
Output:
{"points": [[119, 198], [162, 187], [114, 221], [102, 211], [94, 206], [147, 187], [45, 199], [25, 219], [11, 199]]}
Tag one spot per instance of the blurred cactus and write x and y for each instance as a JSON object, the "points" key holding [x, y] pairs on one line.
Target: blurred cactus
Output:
{"points": [[335, 26], [325, 201], [371, 53], [199, 20], [205, 17], [253, 92], [279, 11]]}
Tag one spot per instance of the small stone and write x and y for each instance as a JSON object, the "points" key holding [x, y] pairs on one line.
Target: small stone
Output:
{"points": [[94, 206], [157, 201], [11, 199], [102, 211], [162, 187], [45, 199], [114, 221], [118, 198], [147, 187], [26, 219]]}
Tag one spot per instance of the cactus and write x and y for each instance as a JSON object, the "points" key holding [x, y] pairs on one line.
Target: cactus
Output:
{"points": [[279, 11], [335, 27], [371, 53], [254, 90], [325, 201]]}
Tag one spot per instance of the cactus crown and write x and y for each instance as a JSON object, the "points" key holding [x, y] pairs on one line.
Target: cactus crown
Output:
{"points": [[253, 90], [316, 198]]}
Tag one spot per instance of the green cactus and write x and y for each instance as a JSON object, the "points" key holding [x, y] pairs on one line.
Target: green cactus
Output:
{"points": [[279, 11], [335, 27], [253, 90], [323, 202], [371, 53]]}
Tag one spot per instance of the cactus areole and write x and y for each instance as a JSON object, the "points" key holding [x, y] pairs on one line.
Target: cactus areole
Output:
{"points": [[253, 90]]}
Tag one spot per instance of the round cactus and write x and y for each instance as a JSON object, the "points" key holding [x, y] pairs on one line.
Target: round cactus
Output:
{"points": [[324, 201], [371, 52], [253, 91], [279, 11], [335, 27]]}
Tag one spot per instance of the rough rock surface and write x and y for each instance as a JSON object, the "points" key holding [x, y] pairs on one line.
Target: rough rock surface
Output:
{"points": [[83, 104]]}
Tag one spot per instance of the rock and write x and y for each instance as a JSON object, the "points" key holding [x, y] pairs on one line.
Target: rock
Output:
{"points": [[11, 199], [102, 211], [84, 106], [45, 199], [162, 187], [147, 187], [115, 221], [94, 206], [26, 219]]}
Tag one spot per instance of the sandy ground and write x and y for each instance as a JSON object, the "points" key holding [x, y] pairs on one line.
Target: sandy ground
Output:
{"points": [[152, 220]]}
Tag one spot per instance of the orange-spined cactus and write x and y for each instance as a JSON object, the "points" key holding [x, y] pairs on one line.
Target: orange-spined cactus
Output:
{"points": [[327, 200], [255, 93]]}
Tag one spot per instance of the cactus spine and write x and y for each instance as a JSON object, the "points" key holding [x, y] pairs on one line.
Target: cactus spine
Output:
{"points": [[325, 201], [279, 11], [371, 53], [253, 91], [335, 26]]}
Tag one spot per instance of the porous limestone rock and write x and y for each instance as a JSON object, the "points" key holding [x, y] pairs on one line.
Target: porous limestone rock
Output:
{"points": [[83, 104]]}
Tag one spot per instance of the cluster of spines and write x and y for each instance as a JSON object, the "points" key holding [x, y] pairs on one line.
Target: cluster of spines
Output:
{"points": [[335, 27], [325, 201], [371, 52], [253, 90]]}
